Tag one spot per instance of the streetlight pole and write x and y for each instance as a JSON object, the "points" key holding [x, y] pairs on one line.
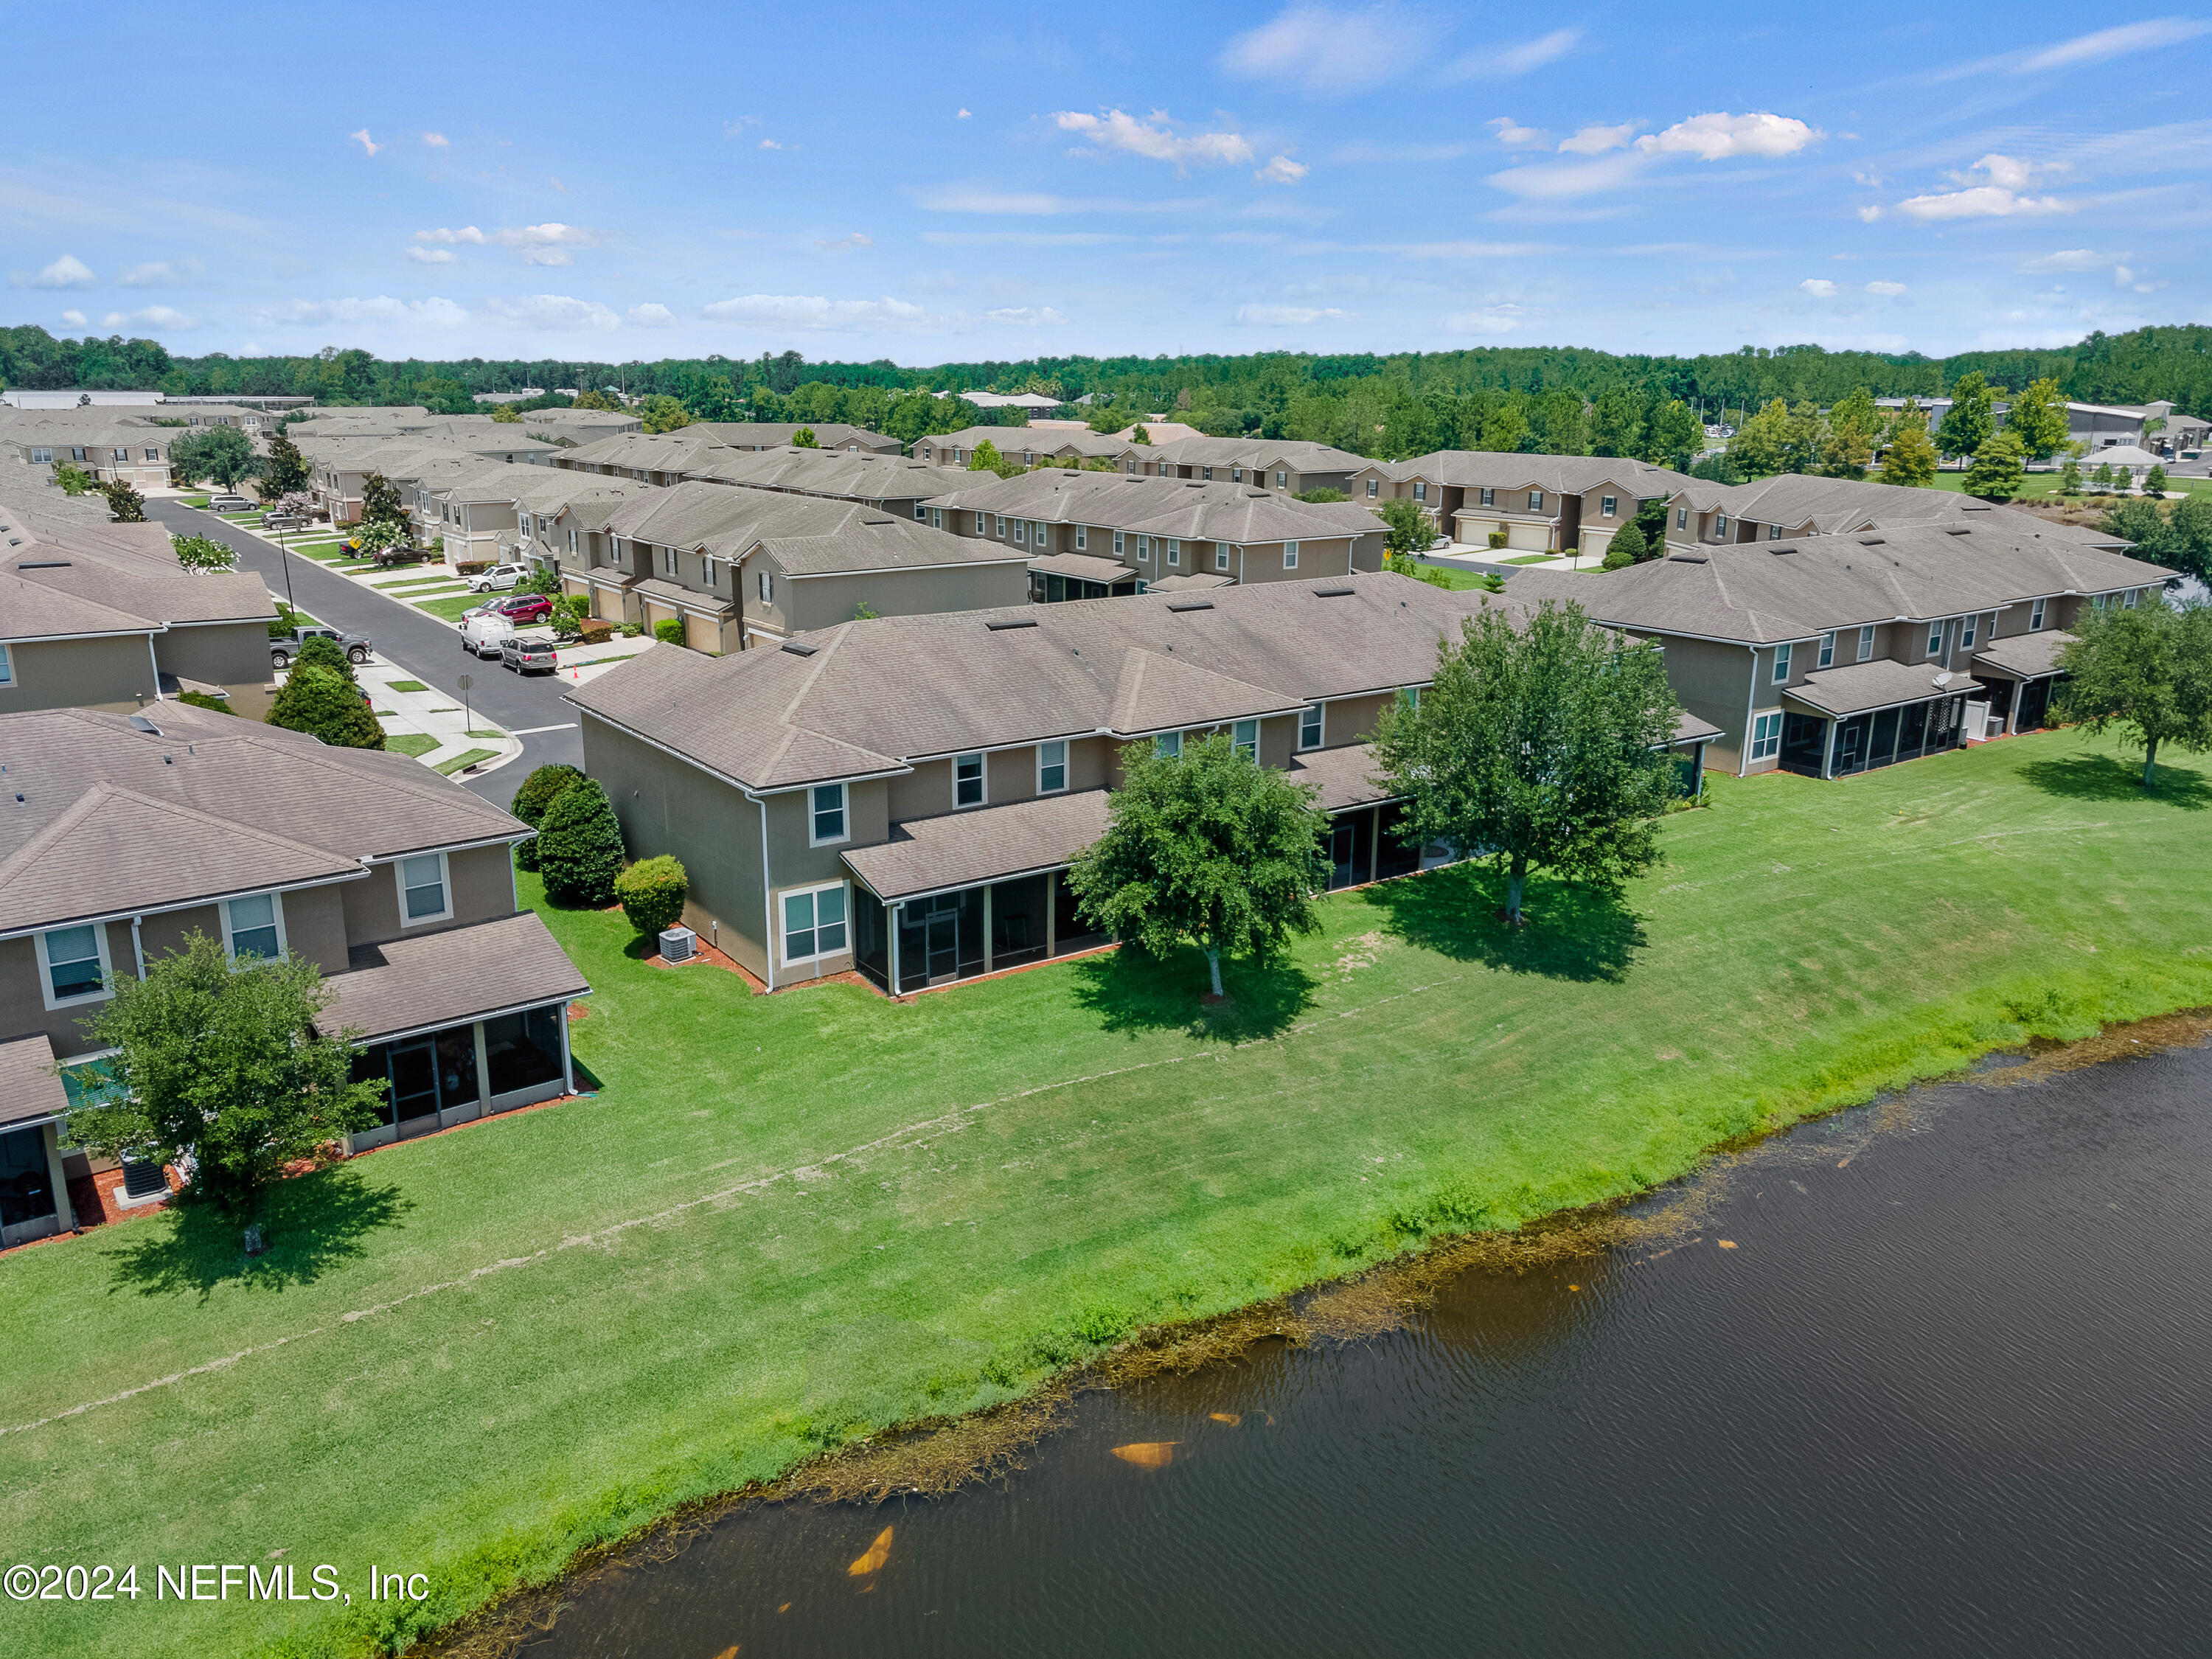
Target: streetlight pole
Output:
{"points": [[284, 555]]}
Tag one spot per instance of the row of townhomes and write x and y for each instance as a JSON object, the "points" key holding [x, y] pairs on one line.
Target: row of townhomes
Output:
{"points": [[1537, 503], [901, 796], [121, 835]]}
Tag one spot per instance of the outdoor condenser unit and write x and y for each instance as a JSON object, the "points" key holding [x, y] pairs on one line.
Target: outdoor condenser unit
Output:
{"points": [[679, 945]]}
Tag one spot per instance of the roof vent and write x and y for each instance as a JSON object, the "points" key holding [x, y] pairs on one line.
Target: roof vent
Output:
{"points": [[1959, 530], [1001, 624], [1685, 558], [879, 521], [1192, 605], [41, 564], [1870, 541], [145, 725], [799, 650], [1334, 593]]}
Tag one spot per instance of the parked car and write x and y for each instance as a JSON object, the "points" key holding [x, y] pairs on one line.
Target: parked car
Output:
{"points": [[529, 654], [282, 650], [499, 578], [229, 504], [482, 632], [521, 609]]}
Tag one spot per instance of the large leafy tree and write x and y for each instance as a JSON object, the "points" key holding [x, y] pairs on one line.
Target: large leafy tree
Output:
{"points": [[2037, 418], [221, 452], [218, 1067], [2146, 672], [1911, 458], [1410, 531], [579, 846], [1537, 748], [662, 413], [1674, 437], [380, 502], [1762, 444], [1996, 474], [1205, 847], [1971, 418], [284, 469], [326, 705]]}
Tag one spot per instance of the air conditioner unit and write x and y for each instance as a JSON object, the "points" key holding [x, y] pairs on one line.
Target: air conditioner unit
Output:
{"points": [[679, 945]]}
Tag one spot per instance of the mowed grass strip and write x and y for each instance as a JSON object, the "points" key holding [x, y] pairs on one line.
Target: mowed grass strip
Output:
{"points": [[786, 1220]]}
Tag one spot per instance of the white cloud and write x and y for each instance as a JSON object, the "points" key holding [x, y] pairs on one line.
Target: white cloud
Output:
{"points": [[1888, 290], [554, 180], [1287, 316], [151, 317], [432, 256], [160, 273], [1596, 141], [1511, 132], [68, 271], [540, 245], [1998, 198], [2095, 48], [1516, 60], [369, 145], [1720, 135], [1025, 317], [1282, 171], [552, 312], [814, 311], [736, 129], [1868, 214], [73, 318], [383, 308], [1546, 181], [468, 233], [1819, 286], [1489, 319], [1153, 137], [437, 141], [1329, 51], [856, 240], [651, 316], [2072, 258], [965, 115], [548, 256], [769, 144]]}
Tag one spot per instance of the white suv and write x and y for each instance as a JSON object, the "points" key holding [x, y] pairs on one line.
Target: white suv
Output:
{"points": [[480, 633], [498, 578]]}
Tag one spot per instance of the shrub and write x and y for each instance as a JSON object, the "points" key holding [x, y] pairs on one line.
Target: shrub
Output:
{"points": [[1627, 547], [596, 632], [570, 612], [326, 705], [287, 620], [579, 847], [203, 700], [669, 631], [2154, 482], [539, 790], [1496, 539], [631, 630], [541, 581], [319, 653], [653, 892], [471, 566]]}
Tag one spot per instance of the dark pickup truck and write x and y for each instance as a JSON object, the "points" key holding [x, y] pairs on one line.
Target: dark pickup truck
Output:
{"points": [[281, 652]]}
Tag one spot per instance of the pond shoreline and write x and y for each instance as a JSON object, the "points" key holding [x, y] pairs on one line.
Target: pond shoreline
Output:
{"points": [[936, 1458]]}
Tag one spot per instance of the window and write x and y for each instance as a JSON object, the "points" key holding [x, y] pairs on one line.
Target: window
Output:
{"points": [[1082, 537], [1536, 500], [1608, 505], [967, 780], [1766, 737], [1167, 744], [1490, 498], [1245, 738], [1782, 665], [669, 562], [255, 927], [77, 453], [1117, 543], [827, 822], [1828, 650], [1866, 642], [998, 522], [707, 569], [1282, 479], [1144, 549], [2034, 624], [1290, 555], [1132, 466], [767, 588], [1310, 726], [1052, 767], [1206, 473], [1720, 524], [982, 523], [1935, 639], [813, 924], [424, 893], [572, 541], [118, 454], [1374, 486], [1022, 531], [153, 454], [1036, 535], [936, 518], [1681, 517], [1420, 492], [73, 965], [46, 455], [1175, 557], [1967, 633], [1774, 532], [2132, 592], [1221, 556], [7, 667]]}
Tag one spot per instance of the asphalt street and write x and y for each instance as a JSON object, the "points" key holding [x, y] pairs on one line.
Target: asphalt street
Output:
{"points": [[427, 648]]}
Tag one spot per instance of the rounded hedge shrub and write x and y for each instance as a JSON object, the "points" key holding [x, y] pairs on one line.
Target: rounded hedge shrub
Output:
{"points": [[539, 790], [651, 892], [1497, 538], [327, 706], [318, 652], [579, 847], [669, 631]]}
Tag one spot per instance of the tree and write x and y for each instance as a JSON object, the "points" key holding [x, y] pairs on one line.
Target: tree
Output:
{"points": [[804, 439], [124, 504], [2069, 478], [221, 452], [579, 846], [1208, 848], [1651, 519], [1996, 474], [1137, 435], [218, 1067], [204, 553], [2037, 418], [1537, 749], [2153, 482], [380, 503], [1761, 444], [2103, 475], [1322, 495], [321, 651], [1848, 443], [326, 705], [1675, 438], [1911, 458], [662, 413], [2147, 671], [375, 536], [74, 480], [1971, 417], [1627, 547], [284, 469], [1411, 529], [2188, 542], [1616, 425], [505, 415], [651, 892], [539, 790], [1505, 429]]}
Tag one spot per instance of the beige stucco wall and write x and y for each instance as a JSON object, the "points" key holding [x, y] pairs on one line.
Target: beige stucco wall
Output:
{"points": [[482, 883], [115, 674], [233, 655], [23, 1010], [812, 602]]}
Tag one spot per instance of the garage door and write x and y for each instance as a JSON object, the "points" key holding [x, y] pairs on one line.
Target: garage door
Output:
{"points": [[573, 587], [1529, 537], [703, 633]]}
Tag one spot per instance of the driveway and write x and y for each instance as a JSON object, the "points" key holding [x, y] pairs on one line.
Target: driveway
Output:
{"points": [[530, 707]]}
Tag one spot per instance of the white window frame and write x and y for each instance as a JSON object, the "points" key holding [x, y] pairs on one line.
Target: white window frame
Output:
{"points": [[47, 968], [981, 781], [444, 889], [816, 811], [1827, 657], [1766, 736], [1221, 556], [1046, 764], [1206, 474], [1037, 538], [1144, 549], [1608, 506], [7, 667], [936, 518], [1168, 745], [1489, 498], [1282, 478], [1290, 555], [1082, 537], [982, 524], [1966, 631], [2132, 593], [707, 569], [276, 914], [2034, 617], [1315, 715], [921, 511], [1937, 630], [766, 586], [1781, 664], [1245, 738], [1021, 533], [1681, 517], [813, 895], [1374, 486], [1536, 500], [1420, 490], [674, 562], [1117, 543], [1866, 643], [1175, 557], [999, 525], [1720, 524]]}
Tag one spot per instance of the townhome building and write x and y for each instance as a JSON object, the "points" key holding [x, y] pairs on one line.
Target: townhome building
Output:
{"points": [[1789, 504], [1284, 466], [125, 834], [1091, 534], [893, 483], [743, 567], [1539, 503], [341, 468], [501, 514], [1833, 654], [577, 427], [923, 835], [112, 451], [659, 459], [1028, 445], [781, 434], [103, 616]]}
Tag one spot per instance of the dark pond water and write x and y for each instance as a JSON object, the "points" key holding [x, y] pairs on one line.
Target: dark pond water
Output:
{"points": [[1951, 1393]]}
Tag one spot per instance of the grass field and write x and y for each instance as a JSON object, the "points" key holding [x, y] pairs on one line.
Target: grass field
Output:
{"points": [[449, 608], [2044, 486], [414, 744], [466, 757], [782, 1220]]}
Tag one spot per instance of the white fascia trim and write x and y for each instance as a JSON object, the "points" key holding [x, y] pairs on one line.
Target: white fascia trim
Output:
{"points": [[744, 788], [897, 570], [1009, 748], [959, 887], [104, 634], [136, 911], [511, 838], [469, 1019]]}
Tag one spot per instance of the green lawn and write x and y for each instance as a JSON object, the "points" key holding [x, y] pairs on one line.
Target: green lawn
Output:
{"points": [[466, 757], [2044, 486], [416, 744], [407, 685], [451, 607], [782, 1219]]}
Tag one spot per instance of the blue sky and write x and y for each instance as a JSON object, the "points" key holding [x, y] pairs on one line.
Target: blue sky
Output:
{"points": [[964, 182]]}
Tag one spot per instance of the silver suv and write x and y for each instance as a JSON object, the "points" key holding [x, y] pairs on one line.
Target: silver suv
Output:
{"points": [[528, 654]]}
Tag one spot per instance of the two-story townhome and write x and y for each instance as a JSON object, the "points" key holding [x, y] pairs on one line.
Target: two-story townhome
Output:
{"points": [[1287, 467], [102, 616], [112, 451], [780, 435], [922, 836], [741, 567], [342, 466], [1541, 503], [1122, 534], [501, 514], [577, 427], [893, 483], [1027, 445], [123, 835], [1829, 655], [659, 459], [1704, 515]]}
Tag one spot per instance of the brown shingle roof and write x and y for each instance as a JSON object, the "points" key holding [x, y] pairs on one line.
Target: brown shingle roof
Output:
{"points": [[1881, 683], [444, 978], [990, 843], [30, 1091]]}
